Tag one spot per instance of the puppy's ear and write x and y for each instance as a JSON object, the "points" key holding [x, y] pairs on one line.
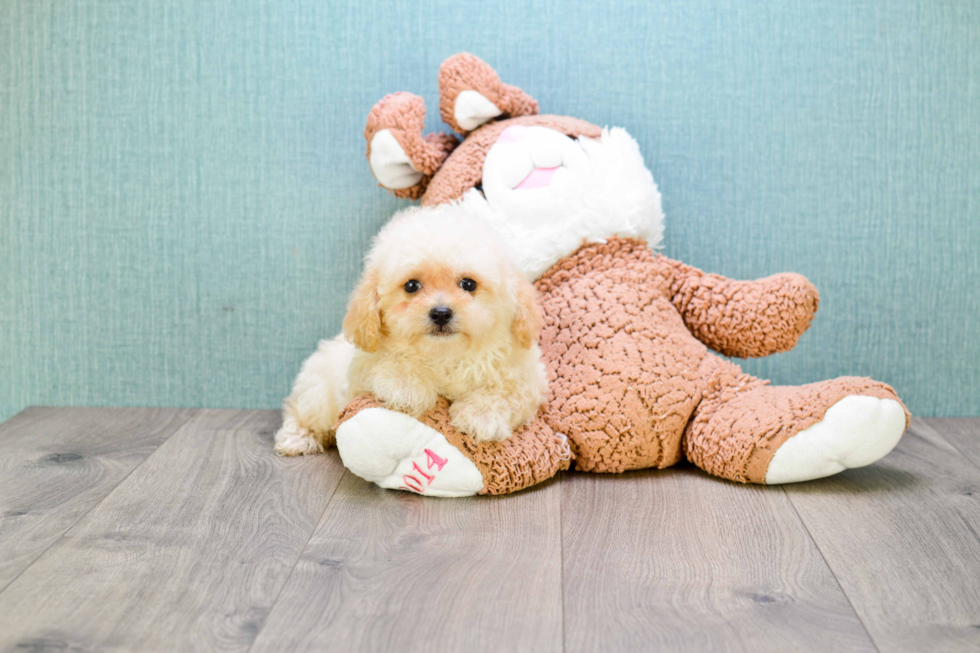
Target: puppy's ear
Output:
{"points": [[362, 324], [527, 317]]}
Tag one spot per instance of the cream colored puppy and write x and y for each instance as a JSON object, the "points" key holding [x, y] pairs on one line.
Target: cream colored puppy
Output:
{"points": [[440, 309]]}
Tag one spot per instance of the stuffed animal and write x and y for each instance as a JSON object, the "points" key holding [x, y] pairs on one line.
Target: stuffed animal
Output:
{"points": [[629, 334]]}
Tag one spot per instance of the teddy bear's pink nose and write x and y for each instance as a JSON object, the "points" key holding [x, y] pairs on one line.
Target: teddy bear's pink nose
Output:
{"points": [[512, 134]]}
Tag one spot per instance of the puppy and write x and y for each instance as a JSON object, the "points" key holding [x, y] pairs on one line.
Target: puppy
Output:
{"points": [[440, 309]]}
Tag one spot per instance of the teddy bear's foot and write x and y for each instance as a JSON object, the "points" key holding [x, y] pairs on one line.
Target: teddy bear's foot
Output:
{"points": [[750, 432], [396, 451], [856, 431], [429, 456]]}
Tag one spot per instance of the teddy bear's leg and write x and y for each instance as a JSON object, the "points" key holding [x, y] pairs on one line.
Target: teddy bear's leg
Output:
{"points": [[746, 431], [428, 456]]}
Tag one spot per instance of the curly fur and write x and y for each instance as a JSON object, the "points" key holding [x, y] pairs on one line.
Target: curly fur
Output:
{"points": [[485, 360]]}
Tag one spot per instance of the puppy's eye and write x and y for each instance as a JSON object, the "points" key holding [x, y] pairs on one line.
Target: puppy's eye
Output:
{"points": [[412, 286], [467, 284]]}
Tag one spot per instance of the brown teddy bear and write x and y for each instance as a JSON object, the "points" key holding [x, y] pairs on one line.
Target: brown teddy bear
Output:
{"points": [[628, 333]]}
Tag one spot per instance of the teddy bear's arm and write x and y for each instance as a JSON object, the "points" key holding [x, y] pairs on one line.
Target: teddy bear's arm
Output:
{"points": [[746, 319]]}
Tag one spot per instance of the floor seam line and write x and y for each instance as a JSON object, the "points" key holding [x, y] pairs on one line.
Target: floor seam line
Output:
{"points": [[561, 550], [831, 570], [951, 443], [316, 528], [100, 501]]}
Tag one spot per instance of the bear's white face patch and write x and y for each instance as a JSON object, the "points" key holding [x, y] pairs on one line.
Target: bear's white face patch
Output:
{"points": [[531, 159], [547, 194]]}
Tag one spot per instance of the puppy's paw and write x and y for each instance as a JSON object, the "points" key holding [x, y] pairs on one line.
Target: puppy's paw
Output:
{"points": [[483, 425], [293, 440], [413, 399]]}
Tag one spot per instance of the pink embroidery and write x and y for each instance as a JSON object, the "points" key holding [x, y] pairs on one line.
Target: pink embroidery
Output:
{"points": [[413, 484], [428, 477], [435, 459], [418, 484]]}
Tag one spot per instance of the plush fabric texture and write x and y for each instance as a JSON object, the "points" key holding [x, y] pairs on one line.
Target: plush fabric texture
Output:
{"points": [[628, 376], [747, 319], [398, 452], [627, 332], [611, 191], [533, 454], [465, 72], [856, 431], [632, 388], [741, 421], [464, 168], [404, 115]]}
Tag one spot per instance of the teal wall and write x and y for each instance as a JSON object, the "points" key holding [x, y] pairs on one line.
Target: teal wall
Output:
{"points": [[184, 198]]}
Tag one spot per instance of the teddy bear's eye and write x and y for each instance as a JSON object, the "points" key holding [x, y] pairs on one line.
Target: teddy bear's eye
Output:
{"points": [[412, 286], [467, 284]]}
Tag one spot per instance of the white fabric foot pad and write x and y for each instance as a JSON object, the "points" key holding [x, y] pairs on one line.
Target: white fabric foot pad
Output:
{"points": [[856, 431], [398, 452]]}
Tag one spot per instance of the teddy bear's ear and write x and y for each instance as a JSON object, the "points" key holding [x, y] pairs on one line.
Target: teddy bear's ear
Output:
{"points": [[471, 93], [401, 159]]}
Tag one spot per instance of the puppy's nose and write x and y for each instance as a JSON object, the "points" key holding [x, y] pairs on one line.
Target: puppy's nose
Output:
{"points": [[441, 315]]}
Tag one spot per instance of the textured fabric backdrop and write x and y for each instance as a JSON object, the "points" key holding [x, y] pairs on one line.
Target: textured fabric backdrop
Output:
{"points": [[184, 199]]}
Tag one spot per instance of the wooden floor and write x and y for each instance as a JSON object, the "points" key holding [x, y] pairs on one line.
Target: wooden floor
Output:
{"points": [[170, 530]]}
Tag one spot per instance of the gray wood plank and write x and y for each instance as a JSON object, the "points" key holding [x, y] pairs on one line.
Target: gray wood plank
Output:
{"points": [[57, 463], [675, 560], [961, 432], [391, 571], [188, 553], [902, 538]]}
